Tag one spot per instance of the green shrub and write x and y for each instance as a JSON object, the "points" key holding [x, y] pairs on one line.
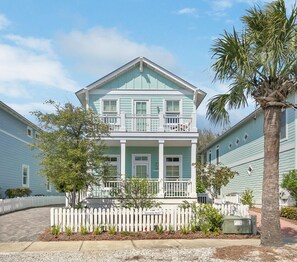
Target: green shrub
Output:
{"points": [[68, 231], [290, 183], [98, 230], [207, 218], [112, 229], [55, 230], [171, 229], [185, 230], [289, 212], [83, 230], [159, 229], [247, 198], [18, 192]]}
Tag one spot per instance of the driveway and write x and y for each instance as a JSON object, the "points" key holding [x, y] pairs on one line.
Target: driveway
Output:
{"points": [[24, 225]]}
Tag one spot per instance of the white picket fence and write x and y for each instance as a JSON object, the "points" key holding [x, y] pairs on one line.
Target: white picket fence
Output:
{"points": [[132, 220], [14, 204]]}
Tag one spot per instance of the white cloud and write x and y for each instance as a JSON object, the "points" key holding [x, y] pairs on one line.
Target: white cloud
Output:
{"points": [[4, 22], [187, 11], [100, 50], [30, 61]]}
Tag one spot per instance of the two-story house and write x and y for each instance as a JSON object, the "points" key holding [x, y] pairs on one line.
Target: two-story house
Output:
{"points": [[152, 118], [242, 149], [18, 166]]}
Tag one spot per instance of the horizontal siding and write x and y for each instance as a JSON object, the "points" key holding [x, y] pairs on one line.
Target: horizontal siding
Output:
{"points": [[154, 152]]}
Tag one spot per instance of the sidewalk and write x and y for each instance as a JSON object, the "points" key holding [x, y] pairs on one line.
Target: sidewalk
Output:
{"points": [[84, 246]]}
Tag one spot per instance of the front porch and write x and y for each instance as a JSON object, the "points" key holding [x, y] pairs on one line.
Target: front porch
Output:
{"points": [[159, 188]]}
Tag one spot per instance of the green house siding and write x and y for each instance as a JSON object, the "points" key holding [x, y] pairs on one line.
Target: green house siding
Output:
{"points": [[249, 153], [185, 152]]}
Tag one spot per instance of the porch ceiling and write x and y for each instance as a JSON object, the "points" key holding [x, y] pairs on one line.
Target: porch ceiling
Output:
{"points": [[149, 143]]}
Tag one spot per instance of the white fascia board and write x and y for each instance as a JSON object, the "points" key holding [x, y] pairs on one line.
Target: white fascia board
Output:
{"points": [[134, 63]]}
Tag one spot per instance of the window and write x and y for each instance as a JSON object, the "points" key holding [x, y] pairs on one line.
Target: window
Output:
{"points": [[141, 165], [245, 137], [209, 157], [109, 112], [230, 146], [113, 167], [172, 113], [36, 135], [283, 129], [25, 175], [48, 186], [218, 154], [29, 131], [237, 141], [173, 169]]}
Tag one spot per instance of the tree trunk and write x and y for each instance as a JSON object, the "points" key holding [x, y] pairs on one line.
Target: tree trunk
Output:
{"points": [[270, 223]]}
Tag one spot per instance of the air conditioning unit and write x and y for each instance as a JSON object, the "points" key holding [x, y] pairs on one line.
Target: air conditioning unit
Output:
{"points": [[237, 225]]}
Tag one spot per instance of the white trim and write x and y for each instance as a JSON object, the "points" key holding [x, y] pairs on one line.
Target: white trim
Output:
{"points": [[139, 92], [28, 175], [13, 136], [180, 164], [117, 164], [31, 130], [112, 99], [286, 126], [123, 159], [142, 162]]}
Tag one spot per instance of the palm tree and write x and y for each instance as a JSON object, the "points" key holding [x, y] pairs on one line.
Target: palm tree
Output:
{"points": [[260, 63]]}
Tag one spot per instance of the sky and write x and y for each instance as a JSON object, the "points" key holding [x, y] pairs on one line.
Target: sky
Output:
{"points": [[51, 49]]}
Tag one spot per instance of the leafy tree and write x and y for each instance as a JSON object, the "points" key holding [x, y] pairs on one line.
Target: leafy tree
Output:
{"points": [[260, 62], [290, 183], [136, 193], [213, 177], [206, 136], [70, 148]]}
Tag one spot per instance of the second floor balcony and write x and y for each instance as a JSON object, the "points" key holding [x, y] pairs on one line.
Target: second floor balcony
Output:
{"points": [[150, 123]]}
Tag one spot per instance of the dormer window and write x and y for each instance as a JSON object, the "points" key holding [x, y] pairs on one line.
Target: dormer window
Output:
{"points": [[29, 131]]}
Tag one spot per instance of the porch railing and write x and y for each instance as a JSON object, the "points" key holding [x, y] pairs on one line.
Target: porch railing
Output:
{"points": [[150, 123], [171, 188]]}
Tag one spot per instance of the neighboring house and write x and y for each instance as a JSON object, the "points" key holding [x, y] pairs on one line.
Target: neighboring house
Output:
{"points": [[242, 149], [18, 167], [152, 118]]}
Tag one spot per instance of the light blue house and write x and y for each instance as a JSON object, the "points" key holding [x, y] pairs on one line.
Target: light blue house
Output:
{"points": [[18, 167], [242, 149], [152, 118]]}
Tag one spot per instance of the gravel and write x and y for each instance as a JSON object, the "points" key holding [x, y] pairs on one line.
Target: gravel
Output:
{"points": [[201, 254]]}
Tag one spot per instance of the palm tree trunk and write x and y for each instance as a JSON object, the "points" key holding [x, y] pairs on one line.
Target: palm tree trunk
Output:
{"points": [[270, 223]]}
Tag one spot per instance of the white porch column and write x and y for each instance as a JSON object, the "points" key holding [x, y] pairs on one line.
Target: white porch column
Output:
{"points": [[161, 168], [193, 167], [123, 159]]}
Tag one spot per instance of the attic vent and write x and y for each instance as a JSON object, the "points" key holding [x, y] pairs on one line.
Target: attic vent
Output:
{"points": [[141, 65]]}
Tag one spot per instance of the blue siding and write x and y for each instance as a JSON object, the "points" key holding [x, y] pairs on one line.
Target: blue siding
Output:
{"points": [[15, 152]]}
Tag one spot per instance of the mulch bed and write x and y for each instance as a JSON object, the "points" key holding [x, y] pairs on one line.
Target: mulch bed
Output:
{"points": [[47, 236]]}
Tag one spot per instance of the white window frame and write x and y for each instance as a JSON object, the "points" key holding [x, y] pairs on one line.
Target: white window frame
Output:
{"points": [[28, 175], [209, 156], [48, 186], [180, 164], [31, 130], [217, 154], [135, 162], [117, 164], [170, 100], [148, 112], [109, 112], [286, 126], [36, 135]]}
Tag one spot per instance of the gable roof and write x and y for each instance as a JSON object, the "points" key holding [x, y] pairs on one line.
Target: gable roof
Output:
{"points": [[18, 116], [252, 115], [140, 61]]}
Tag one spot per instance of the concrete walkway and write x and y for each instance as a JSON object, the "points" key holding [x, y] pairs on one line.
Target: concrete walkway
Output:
{"points": [[84, 246]]}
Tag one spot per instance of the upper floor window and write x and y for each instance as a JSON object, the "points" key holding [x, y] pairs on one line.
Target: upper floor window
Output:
{"points": [[109, 106], [29, 131], [218, 154], [37, 135], [48, 186], [209, 157], [283, 129], [25, 175], [172, 107]]}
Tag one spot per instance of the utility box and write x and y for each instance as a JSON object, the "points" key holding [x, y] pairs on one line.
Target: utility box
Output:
{"points": [[237, 225]]}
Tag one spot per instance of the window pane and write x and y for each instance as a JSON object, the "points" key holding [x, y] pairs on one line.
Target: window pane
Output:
{"points": [[172, 106], [283, 131], [141, 171], [110, 106]]}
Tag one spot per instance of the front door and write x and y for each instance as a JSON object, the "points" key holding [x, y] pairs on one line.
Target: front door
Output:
{"points": [[141, 122]]}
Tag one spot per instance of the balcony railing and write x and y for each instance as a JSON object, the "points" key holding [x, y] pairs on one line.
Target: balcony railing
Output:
{"points": [[171, 188], [150, 123]]}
